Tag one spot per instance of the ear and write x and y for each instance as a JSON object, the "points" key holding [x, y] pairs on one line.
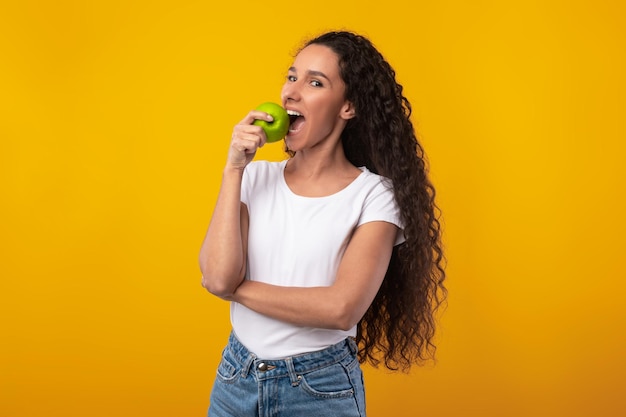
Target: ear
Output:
{"points": [[347, 111]]}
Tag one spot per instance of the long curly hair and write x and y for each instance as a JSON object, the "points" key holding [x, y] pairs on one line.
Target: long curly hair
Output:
{"points": [[399, 326]]}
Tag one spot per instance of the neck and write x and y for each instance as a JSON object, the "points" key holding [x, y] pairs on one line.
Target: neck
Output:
{"points": [[311, 174], [314, 163]]}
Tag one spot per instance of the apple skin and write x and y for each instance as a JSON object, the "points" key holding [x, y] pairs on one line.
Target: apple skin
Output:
{"points": [[277, 129]]}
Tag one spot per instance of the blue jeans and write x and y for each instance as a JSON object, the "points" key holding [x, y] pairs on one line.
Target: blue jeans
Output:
{"points": [[322, 384]]}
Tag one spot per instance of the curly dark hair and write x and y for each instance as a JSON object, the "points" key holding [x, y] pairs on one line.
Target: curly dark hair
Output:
{"points": [[399, 326]]}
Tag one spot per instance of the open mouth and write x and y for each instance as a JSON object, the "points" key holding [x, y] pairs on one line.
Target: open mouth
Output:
{"points": [[295, 120]]}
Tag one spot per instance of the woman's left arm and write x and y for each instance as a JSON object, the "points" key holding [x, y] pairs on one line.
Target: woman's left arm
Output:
{"points": [[341, 305]]}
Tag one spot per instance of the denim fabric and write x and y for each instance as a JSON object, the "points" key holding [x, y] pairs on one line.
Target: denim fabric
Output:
{"points": [[322, 384]]}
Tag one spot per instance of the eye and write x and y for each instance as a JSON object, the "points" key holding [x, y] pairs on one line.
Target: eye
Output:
{"points": [[291, 78], [316, 83]]}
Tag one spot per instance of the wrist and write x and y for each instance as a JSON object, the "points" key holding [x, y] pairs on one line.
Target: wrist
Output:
{"points": [[232, 174], [231, 169]]}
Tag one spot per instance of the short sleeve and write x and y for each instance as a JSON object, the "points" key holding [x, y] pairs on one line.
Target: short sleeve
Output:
{"points": [[380, 205], [246, 183]]}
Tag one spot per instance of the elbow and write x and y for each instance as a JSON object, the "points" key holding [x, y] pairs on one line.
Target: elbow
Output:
{"points": [[218, 289], [218, 285], [345, 326], [344, 317]]}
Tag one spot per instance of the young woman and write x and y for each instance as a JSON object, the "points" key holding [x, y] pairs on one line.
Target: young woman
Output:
{"points": [[333, 256]]}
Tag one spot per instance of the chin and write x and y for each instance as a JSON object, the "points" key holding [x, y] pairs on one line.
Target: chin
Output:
{"points": [[292, 143], [291, 146]]}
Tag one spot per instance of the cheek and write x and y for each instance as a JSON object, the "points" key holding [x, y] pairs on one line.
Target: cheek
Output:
{"points": [[283, 92]]}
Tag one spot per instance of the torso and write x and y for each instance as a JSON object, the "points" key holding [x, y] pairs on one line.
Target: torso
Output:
{"points": [[299, 240]]}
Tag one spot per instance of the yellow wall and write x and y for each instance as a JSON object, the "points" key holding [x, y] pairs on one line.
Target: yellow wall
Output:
{"points": [[114, 121]]}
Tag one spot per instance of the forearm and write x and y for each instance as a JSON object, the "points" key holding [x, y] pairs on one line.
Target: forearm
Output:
{"points": [[339, 306], [222, 259], [320, 307]]}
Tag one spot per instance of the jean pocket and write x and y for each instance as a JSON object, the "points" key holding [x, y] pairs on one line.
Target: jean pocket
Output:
{"points": [[329, 382], [226, 371]]}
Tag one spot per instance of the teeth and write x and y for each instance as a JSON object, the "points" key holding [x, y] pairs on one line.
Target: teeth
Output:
{"points": [[293, 113]]}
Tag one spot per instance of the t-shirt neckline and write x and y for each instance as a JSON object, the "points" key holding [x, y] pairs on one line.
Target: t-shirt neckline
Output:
{"points": [[284, 184]]}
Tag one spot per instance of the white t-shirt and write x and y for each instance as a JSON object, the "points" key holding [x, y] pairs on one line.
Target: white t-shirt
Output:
{"points": [[299, 241]]}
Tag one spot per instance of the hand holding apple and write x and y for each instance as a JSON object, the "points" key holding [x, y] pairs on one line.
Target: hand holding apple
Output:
{"points": [[277, 129]]}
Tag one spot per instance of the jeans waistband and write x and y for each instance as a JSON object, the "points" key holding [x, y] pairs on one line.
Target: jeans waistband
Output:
{"points": [[292, 365]]}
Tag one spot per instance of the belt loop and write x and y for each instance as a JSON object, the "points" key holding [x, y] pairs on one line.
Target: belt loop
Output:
{"points": [[352, 345], [247, 364], [295, 378]]}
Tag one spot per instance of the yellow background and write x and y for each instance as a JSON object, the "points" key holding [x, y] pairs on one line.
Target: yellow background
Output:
{"points": [[114, 122]]}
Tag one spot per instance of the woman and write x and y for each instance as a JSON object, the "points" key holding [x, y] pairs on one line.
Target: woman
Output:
{"points": [[332, 257]]}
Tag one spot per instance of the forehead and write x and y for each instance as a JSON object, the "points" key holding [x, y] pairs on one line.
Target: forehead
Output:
{"points": [[317, 58]]}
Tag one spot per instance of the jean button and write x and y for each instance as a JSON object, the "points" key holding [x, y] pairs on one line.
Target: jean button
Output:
{"points": [[262, 367]]}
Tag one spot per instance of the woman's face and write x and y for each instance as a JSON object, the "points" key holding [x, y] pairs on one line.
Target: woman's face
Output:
{"points": [[315, 91]]}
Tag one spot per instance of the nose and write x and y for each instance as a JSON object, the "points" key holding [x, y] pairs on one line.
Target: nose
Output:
{"points": [[290, 91]]}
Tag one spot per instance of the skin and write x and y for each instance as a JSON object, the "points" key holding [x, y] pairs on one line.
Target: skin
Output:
{"points": [[319, 167]]}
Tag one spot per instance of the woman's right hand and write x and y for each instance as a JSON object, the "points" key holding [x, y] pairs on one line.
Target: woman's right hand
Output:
{"points": [[246, 139]]}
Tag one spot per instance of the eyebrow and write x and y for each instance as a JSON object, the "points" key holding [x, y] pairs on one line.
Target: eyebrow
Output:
{"points": [[313, 73]]}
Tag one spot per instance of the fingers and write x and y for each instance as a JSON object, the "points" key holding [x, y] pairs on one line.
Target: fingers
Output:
{"points": [[256, 115], [245, 130], [247, 138]]}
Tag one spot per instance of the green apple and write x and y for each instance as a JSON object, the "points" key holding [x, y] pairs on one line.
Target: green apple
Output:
{"points": [[277, 129]]}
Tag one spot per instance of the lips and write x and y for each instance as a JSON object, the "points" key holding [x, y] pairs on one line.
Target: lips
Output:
{"points": [[296, 121]]}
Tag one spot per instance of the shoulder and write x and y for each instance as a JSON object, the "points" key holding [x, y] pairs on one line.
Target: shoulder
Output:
{"points": [[263, 170], [379, 202], [375, 184]]}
